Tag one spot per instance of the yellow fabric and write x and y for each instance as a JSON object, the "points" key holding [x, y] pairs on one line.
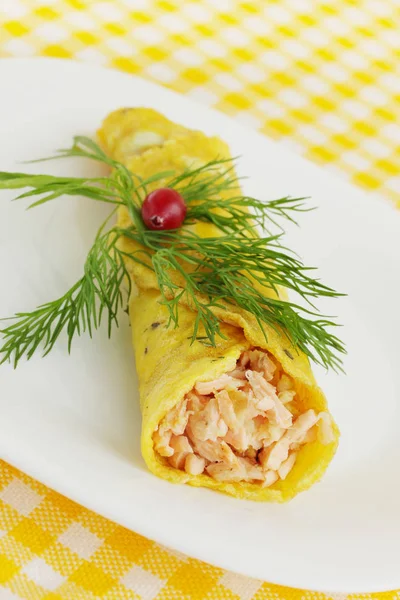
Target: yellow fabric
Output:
{"points": [[170, 352], [322, 77]]}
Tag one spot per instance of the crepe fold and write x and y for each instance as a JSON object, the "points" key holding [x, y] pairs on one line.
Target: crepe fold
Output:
{"points": [[167, 362]]}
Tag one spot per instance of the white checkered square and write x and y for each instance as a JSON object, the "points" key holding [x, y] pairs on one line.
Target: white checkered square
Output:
{"points": [[212, 48], [21, 497], [18, 47], [50, 32], [243, 587], [160, 71], [80, 540], [143, 583], [107, 11], [38, 571], [14, 9]]}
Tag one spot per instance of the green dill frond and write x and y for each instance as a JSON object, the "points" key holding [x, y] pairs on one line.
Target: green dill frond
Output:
{"points": [[245, 265]]}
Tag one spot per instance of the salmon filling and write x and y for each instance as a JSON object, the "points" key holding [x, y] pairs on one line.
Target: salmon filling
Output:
{"points": [[243, 426]]}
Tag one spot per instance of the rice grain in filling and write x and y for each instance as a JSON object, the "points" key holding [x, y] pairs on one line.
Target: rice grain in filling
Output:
{"points": [[243, 426]]}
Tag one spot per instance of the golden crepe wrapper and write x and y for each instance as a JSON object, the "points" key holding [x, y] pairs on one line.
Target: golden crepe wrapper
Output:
{"points": [[168, 364]]}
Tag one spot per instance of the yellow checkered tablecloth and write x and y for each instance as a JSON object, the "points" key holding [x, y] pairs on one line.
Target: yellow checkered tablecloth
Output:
{"points": [[321, 76]]}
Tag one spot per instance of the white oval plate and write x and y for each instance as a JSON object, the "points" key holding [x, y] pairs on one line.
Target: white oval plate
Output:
{"points": [[73, 422]]}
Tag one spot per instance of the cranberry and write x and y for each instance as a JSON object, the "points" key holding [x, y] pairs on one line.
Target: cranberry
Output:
{"points": [[163, 209]]}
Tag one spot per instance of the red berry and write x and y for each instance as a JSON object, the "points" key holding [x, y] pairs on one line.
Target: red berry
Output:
{"points": [[163, 209]]}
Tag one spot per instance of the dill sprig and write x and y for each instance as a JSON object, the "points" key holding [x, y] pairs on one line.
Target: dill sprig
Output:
{"points": [[80, 309], [221, 270], [231, 268]]}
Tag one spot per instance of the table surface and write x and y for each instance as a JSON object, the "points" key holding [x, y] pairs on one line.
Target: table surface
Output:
{"points": [[321, 77]]}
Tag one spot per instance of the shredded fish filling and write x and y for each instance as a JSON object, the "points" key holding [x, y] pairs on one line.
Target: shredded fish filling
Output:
{"points": [[242, 426]]}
